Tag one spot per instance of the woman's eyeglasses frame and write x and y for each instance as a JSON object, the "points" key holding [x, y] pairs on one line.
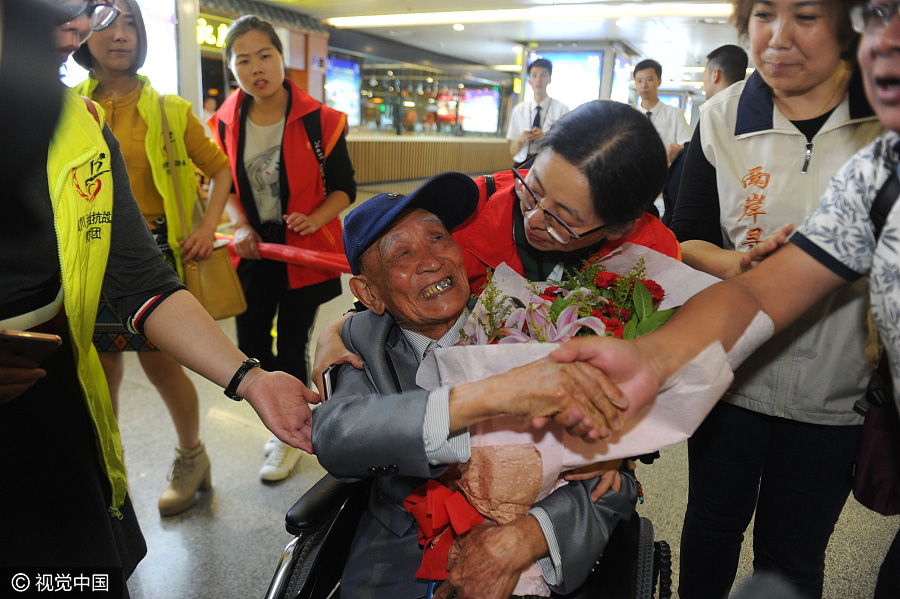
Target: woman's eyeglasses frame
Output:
{"points": [[873, 17], [550, 217], [101, 13]]}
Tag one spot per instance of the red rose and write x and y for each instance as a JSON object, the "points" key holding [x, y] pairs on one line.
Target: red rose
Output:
{"points": [[606, 279], [614, 327], [656, 292]]}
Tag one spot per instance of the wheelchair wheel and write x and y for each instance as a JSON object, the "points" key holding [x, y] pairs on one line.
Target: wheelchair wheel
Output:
{"points": [[645, 579], [303, 565]]}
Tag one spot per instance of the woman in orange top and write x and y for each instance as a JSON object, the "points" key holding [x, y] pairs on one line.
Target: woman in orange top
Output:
{"points": [[133, 112]]}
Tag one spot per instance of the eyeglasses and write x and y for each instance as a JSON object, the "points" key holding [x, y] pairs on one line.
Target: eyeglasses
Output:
{"points": [[556, 226], [872, 18], [101, 13]]}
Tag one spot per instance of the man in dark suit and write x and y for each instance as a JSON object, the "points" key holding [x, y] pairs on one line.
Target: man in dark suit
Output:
{"points": [[379, 424]]}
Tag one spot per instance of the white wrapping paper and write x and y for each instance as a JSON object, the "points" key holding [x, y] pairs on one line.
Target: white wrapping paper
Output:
{"points": [[673, 416]]}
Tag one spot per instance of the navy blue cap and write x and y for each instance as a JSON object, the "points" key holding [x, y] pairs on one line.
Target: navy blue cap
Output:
{"points": [[451, 196]]}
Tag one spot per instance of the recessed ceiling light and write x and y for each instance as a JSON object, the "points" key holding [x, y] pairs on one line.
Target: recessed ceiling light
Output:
{"points": [[651, 10], [458, 27]]}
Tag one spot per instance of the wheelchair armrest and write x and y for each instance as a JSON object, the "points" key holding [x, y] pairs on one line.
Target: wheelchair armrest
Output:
{"points": [[315, 507]]}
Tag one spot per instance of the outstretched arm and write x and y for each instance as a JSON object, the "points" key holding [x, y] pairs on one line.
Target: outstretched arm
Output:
{"points": [[727, 264], [183, 329], [783, 286]]}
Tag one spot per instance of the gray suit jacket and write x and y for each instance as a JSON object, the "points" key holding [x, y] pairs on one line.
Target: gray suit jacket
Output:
{"points": [[372, 427]]}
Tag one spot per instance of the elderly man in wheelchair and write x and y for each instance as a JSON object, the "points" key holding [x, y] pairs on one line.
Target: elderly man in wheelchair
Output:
{"points": [[377, 425]]}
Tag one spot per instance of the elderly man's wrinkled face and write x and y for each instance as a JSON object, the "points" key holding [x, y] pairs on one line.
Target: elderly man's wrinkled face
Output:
{"points": [[415, 272]]}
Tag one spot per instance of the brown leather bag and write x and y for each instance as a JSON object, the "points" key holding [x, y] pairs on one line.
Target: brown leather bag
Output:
{"points": [[214, 282]]}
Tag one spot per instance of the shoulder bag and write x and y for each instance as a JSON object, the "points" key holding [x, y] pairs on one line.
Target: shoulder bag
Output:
{"points": [[214, 282], [876, 473]]}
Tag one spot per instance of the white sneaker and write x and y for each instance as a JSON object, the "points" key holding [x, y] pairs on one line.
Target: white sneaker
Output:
{"points": [[271, 444], [280, 463]]}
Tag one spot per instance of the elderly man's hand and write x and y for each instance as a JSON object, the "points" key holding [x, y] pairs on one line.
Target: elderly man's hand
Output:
{"points": [[281, 401], [576, 396], [486, 562], [630, 369]]}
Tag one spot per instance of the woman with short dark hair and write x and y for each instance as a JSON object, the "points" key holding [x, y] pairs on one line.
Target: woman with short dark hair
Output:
{"points": [[133, 111]]}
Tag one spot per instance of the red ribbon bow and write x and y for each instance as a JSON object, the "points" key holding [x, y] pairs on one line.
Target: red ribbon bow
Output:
{"points": [[442, 516]]}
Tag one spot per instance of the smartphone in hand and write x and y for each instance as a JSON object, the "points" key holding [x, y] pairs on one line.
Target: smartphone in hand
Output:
{"points": [[25, 349]]}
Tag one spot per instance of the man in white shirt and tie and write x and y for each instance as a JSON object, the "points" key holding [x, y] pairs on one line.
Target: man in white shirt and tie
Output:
{"points": [[532, 118], [668, 120]]}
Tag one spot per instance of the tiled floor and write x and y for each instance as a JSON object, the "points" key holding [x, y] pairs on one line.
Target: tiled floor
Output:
{"points": [[227, 546]]}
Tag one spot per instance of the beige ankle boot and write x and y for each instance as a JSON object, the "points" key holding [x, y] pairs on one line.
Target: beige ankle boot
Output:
{"points": [[190, 473]]}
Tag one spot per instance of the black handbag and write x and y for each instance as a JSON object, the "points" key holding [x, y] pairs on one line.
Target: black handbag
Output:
{"points": [[876, 472]]}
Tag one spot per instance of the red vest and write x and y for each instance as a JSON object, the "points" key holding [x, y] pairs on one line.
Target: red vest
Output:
{"points": [[302, 169], [486, 237]]}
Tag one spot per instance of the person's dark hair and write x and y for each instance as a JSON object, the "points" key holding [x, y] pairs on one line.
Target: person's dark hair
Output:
{"points": [[83, 54], [649, 64], [848, 38], [619, 151], [543, 63], [247, 24], [731, 60]]}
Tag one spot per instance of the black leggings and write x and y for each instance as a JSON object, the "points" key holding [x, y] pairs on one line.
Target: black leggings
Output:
{"points": [[265, 284]]}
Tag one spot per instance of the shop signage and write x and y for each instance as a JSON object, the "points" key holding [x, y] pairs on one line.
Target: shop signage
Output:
{"points": [[211, 32]]}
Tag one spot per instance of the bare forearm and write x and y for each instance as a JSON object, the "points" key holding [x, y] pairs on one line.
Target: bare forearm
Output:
{"points": [[330, 208], [711, 259], [183, 329], [472, 403], [514, 146], [783, 286]]}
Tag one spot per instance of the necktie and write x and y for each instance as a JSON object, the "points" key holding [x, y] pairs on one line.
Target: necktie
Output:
{"points": [[648, 115], [537, 117]]}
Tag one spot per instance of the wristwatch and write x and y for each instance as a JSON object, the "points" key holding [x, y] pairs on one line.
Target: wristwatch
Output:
{"points": [[246, 366]]}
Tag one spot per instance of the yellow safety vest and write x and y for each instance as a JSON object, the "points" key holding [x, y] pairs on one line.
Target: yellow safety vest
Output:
{"points": [[177, 109], [81, 191]]}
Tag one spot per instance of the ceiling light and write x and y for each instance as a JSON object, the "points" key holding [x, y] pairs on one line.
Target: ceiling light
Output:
{"points": [[507, 68], [458, 27], [538, 13]]}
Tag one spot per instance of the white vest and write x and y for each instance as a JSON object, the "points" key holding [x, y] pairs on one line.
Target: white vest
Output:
{"points": [[767, 175]]}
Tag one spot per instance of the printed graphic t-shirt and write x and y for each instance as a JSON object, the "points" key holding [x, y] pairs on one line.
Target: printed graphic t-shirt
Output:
{"points": [[262, 150]]}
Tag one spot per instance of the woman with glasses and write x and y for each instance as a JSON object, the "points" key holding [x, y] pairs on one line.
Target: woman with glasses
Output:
{"points": [[595, 175], [133, 112], [781, 442], [72, 229]]}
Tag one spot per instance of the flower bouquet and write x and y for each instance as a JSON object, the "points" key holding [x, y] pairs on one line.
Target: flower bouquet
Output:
{"points": [[630, 292]]}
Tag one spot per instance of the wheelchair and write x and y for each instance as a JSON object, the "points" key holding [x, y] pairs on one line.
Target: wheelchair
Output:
{"points": [[324, 521]]}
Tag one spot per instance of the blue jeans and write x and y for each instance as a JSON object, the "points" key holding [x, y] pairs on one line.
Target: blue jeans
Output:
{"points": [[794, 475]]}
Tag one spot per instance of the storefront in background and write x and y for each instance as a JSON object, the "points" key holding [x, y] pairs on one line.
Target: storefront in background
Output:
{"points": [[388, 88], [385, 97], [304, 39]]}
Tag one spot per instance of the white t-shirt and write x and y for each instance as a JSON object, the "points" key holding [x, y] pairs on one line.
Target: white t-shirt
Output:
{"points": [[522, 118], [262, 153], [669, 122]]}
